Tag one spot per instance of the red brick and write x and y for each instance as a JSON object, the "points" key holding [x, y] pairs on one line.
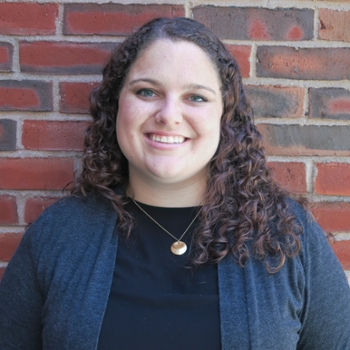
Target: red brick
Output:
{"points": [[64, 58], [334, 25], [28, 18], [8, 212], [249, 23], [241, 53], [35, 206], [307, 63], [306, 140], [329, 103], [276, 101], [332, 217], [290, 175], [6, 53], [53, 135], [75, 97], [35, 173], [8, 245], [7, 135], [333, 179], [342, 251], [113, 19], [26, 95]]}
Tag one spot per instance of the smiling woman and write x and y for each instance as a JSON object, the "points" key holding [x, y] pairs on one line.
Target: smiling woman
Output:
{"points": [[175, 235], [168, 125]]}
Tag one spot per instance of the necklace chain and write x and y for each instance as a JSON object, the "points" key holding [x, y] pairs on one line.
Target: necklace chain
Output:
{"points": [[156, 222]]}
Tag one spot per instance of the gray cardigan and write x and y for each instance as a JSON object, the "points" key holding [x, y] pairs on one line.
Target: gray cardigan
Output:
{"points": [[55, 289]]}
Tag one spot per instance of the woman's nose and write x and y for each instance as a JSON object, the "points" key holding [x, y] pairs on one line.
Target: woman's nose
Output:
{"points": [[170, 112]]}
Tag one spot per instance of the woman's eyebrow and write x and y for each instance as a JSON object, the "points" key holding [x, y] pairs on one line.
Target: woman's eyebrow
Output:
{"points": [[186, 87], [147, 80]]}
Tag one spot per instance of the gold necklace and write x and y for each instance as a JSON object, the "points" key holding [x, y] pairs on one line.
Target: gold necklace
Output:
{"points": [[178, 247]]}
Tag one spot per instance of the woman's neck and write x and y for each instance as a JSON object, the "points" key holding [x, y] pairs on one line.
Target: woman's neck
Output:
{"points": [[165, 195]]}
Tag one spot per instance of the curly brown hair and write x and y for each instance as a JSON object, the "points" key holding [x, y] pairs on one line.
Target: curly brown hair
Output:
{"points": [[245, 212]]}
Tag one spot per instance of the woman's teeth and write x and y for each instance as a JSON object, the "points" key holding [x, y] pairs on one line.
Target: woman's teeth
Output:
{"points": [[167, 139]]}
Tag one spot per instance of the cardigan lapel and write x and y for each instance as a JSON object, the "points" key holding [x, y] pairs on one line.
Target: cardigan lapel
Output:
{"points": [[233, 306]]}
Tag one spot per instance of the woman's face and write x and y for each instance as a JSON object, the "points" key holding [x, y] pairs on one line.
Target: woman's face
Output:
{"points": [[168, 122]]}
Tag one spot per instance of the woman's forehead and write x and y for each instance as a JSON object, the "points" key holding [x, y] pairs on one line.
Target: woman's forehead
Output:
{"points": [[166, 58]]}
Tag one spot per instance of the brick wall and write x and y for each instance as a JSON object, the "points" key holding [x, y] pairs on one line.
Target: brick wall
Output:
{"points": [[294, 56]]}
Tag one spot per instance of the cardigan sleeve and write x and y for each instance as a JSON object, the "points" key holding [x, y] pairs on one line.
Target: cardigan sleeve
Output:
{"points": [[55, 288], [326, 313], [21, 300]]}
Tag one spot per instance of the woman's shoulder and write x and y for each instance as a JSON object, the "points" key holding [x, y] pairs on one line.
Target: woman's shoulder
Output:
{"points": [[299, 210], [71, 219], [315, 249], [76, 208], [304, 219], [70, 235]]}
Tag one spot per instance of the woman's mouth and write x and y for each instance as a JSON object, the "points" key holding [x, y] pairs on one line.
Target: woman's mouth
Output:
{"points": [[167, 139]]}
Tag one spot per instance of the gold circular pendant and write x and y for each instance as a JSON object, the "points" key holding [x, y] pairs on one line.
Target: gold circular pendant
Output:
{"points": [[178, 248]]}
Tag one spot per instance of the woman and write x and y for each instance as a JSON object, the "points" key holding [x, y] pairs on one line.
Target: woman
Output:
{"points": [[177, 237]]}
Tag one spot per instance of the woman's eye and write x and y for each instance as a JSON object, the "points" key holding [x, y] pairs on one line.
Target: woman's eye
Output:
{"points": [[197, 98], [146, 93]]}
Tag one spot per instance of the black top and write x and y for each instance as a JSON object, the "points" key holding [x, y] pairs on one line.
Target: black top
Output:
{"points": [[157, 301]]}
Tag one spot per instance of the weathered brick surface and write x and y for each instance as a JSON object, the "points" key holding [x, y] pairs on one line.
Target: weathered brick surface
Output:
{"points": [[35, 206], [53, 135], [276, 101], [333, 217], [342, 250], [7, 134], [35, 173], [8, 244], [28, 18], [6, 53], [334, 25], [245, 23], [290, 175], [241, 53], [75, 97], [26, 95], [306, 63], [113, 19], [329, 103], [333, 179], [312, 140], [64, 58], [8, 212]]}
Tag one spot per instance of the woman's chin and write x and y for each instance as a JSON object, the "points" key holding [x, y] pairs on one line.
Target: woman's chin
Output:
{"points": [[178, 177]]}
